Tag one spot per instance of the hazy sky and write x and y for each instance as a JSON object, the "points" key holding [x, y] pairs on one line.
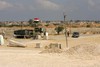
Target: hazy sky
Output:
{"points": [[49, 9]]}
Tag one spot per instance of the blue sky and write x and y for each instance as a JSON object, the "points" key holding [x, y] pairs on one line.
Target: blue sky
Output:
{"points": [[16, 10]]}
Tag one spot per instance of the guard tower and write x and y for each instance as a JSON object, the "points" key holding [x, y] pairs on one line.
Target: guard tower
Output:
{"points": [[38, 31]]}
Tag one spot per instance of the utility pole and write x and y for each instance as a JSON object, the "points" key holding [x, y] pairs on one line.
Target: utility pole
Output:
{"points": [[64, 15]]}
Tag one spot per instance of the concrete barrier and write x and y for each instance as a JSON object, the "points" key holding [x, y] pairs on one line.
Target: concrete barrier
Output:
{"points": [[38, 45], [13, 43]]}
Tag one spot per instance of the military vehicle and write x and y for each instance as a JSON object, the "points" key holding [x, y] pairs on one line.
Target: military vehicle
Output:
{"points": [[75, 34], [25, 33]]}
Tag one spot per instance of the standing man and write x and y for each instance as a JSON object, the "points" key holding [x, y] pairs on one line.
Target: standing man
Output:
{"points": [[68, 33]]}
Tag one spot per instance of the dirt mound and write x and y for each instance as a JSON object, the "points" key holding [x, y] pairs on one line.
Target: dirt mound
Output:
{"points": [[52, 51], [88, 49], [52, 48]]}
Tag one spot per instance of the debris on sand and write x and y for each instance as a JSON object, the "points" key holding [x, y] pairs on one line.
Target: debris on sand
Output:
{"points": [[51, 51], [52, 48]]}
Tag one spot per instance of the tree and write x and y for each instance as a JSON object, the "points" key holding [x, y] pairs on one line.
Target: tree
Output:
{"points": [[30, 22], [59, 29]]}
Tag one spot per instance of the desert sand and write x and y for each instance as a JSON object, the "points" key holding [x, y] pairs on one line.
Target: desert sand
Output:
{"points": [[77, 55]]}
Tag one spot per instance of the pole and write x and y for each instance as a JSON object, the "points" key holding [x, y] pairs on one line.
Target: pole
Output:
{"points": [[65, 30]]}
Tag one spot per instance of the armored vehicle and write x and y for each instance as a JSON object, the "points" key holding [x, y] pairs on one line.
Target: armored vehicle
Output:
{"points": [[25, 33]]}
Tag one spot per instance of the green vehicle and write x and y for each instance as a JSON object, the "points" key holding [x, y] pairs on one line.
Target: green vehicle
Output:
{"points": [[26, 33]]}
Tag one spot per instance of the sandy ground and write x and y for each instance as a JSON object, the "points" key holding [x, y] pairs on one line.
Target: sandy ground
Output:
{"points": [[31, 56]]}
